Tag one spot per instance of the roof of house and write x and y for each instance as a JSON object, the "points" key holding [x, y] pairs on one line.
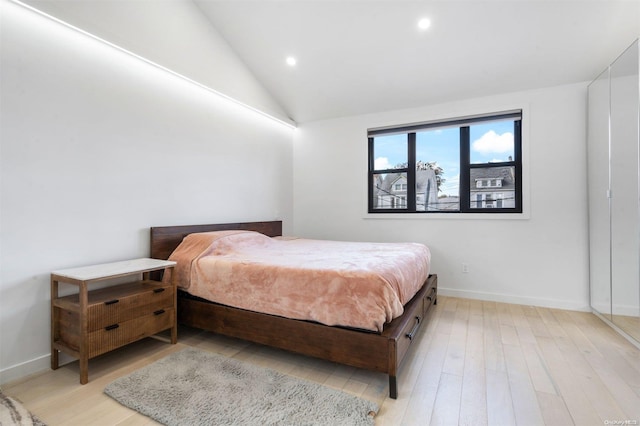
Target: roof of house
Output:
{"points": [[422, 179], [506, 173]]}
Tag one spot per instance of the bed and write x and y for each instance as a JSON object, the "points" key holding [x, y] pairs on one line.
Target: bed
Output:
{"points": [[381, 351]]}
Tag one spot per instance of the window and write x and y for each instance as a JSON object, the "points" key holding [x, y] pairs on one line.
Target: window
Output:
{"points": [[400, 187], [450, 166]]}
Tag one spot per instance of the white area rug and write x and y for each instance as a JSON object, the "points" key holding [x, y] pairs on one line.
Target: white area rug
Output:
{"points": [[13, 413], [194, 387]]}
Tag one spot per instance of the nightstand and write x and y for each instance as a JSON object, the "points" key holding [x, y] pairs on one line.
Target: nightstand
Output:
{"points": [[90, 323]]}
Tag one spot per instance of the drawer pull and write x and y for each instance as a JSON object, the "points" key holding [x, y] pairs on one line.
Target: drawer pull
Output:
{"points": [[413, 331], [158, 290], [112, 327], [429, 298], [158, 312], [111, 302]]}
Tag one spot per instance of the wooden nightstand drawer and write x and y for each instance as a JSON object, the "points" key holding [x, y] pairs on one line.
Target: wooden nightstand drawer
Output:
{"points": [[118, 334], [122, 303], [118, 303], [114, 335]]}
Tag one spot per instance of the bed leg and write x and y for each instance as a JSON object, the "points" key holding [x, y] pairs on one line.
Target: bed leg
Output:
{"points": [[393, 387]]}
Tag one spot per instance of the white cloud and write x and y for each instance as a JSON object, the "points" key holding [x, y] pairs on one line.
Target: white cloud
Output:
{"points": [[491, 142], [382, 163]]}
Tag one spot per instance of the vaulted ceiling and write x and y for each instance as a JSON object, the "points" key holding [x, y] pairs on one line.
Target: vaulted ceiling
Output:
{"points": [[363, 56]]}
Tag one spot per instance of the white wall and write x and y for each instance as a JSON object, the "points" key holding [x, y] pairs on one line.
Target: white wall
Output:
{"points": [[172, 33], [541, 259], [96, 147]]}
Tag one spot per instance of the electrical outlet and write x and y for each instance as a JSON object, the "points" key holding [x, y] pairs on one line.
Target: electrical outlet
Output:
{"points": [[465, 268]]}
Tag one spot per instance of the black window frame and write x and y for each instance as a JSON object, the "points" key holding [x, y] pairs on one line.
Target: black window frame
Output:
{"points": [[465, 202]]}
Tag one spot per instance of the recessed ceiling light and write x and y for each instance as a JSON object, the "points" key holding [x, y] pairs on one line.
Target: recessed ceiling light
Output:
{"points": [[291, 61], [424, 23]]}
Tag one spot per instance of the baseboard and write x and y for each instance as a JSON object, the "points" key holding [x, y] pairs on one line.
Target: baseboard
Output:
{"points": [[25, 369], [29, 368], [620, 331], [625, 310], [518, 300]]}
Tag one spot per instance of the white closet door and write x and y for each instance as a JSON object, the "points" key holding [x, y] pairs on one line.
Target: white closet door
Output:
{"points": [[598, 185], [625, 201]]}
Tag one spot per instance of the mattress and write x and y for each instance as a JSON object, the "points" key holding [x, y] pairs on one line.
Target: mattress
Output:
{"points": [[352, 284]]}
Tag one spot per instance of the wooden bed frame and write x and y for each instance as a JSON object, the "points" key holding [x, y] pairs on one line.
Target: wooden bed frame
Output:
{"points": [[382, 352]]}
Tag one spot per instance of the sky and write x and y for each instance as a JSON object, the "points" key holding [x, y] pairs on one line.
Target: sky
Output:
{"points": [[490, 142]]}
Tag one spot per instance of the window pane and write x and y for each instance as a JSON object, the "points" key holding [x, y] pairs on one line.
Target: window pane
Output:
{"points": [[390, 152], [492, 142], [438, 170], [390, 191], [482, 149], [492, 187]]}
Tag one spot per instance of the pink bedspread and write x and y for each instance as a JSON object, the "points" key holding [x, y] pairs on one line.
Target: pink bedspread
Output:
{"points": [[359, 285]]}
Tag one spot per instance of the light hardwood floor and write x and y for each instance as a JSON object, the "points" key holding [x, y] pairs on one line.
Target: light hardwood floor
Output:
{"points": [[630, 324], [476, 363]]}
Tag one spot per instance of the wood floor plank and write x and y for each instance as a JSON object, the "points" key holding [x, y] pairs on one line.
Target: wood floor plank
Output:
{"points": [[475, 307], [473, 407], [582, 412], [447, 404], [576, 351], [613, 348], [541, 378], [137, 420], [421, 400], [554, 410], [525, 404], [509, 334], [339, 377], [103, 408], [454, 361], [504, 314], [493, 354], [538, 326], [530, 312], [624, 395], [523, 395], [499, 403], [551, 322], [616, 350], [629, 324]]}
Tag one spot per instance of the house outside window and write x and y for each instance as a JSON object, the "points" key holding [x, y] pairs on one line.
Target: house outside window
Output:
{"points": [[461, 165], [504, 179]]}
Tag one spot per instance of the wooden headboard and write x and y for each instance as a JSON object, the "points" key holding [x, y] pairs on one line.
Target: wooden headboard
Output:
{"points": [[165, 239]]}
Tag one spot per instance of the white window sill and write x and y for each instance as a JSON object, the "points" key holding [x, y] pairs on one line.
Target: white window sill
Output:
{"points": [[450, 216]]}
